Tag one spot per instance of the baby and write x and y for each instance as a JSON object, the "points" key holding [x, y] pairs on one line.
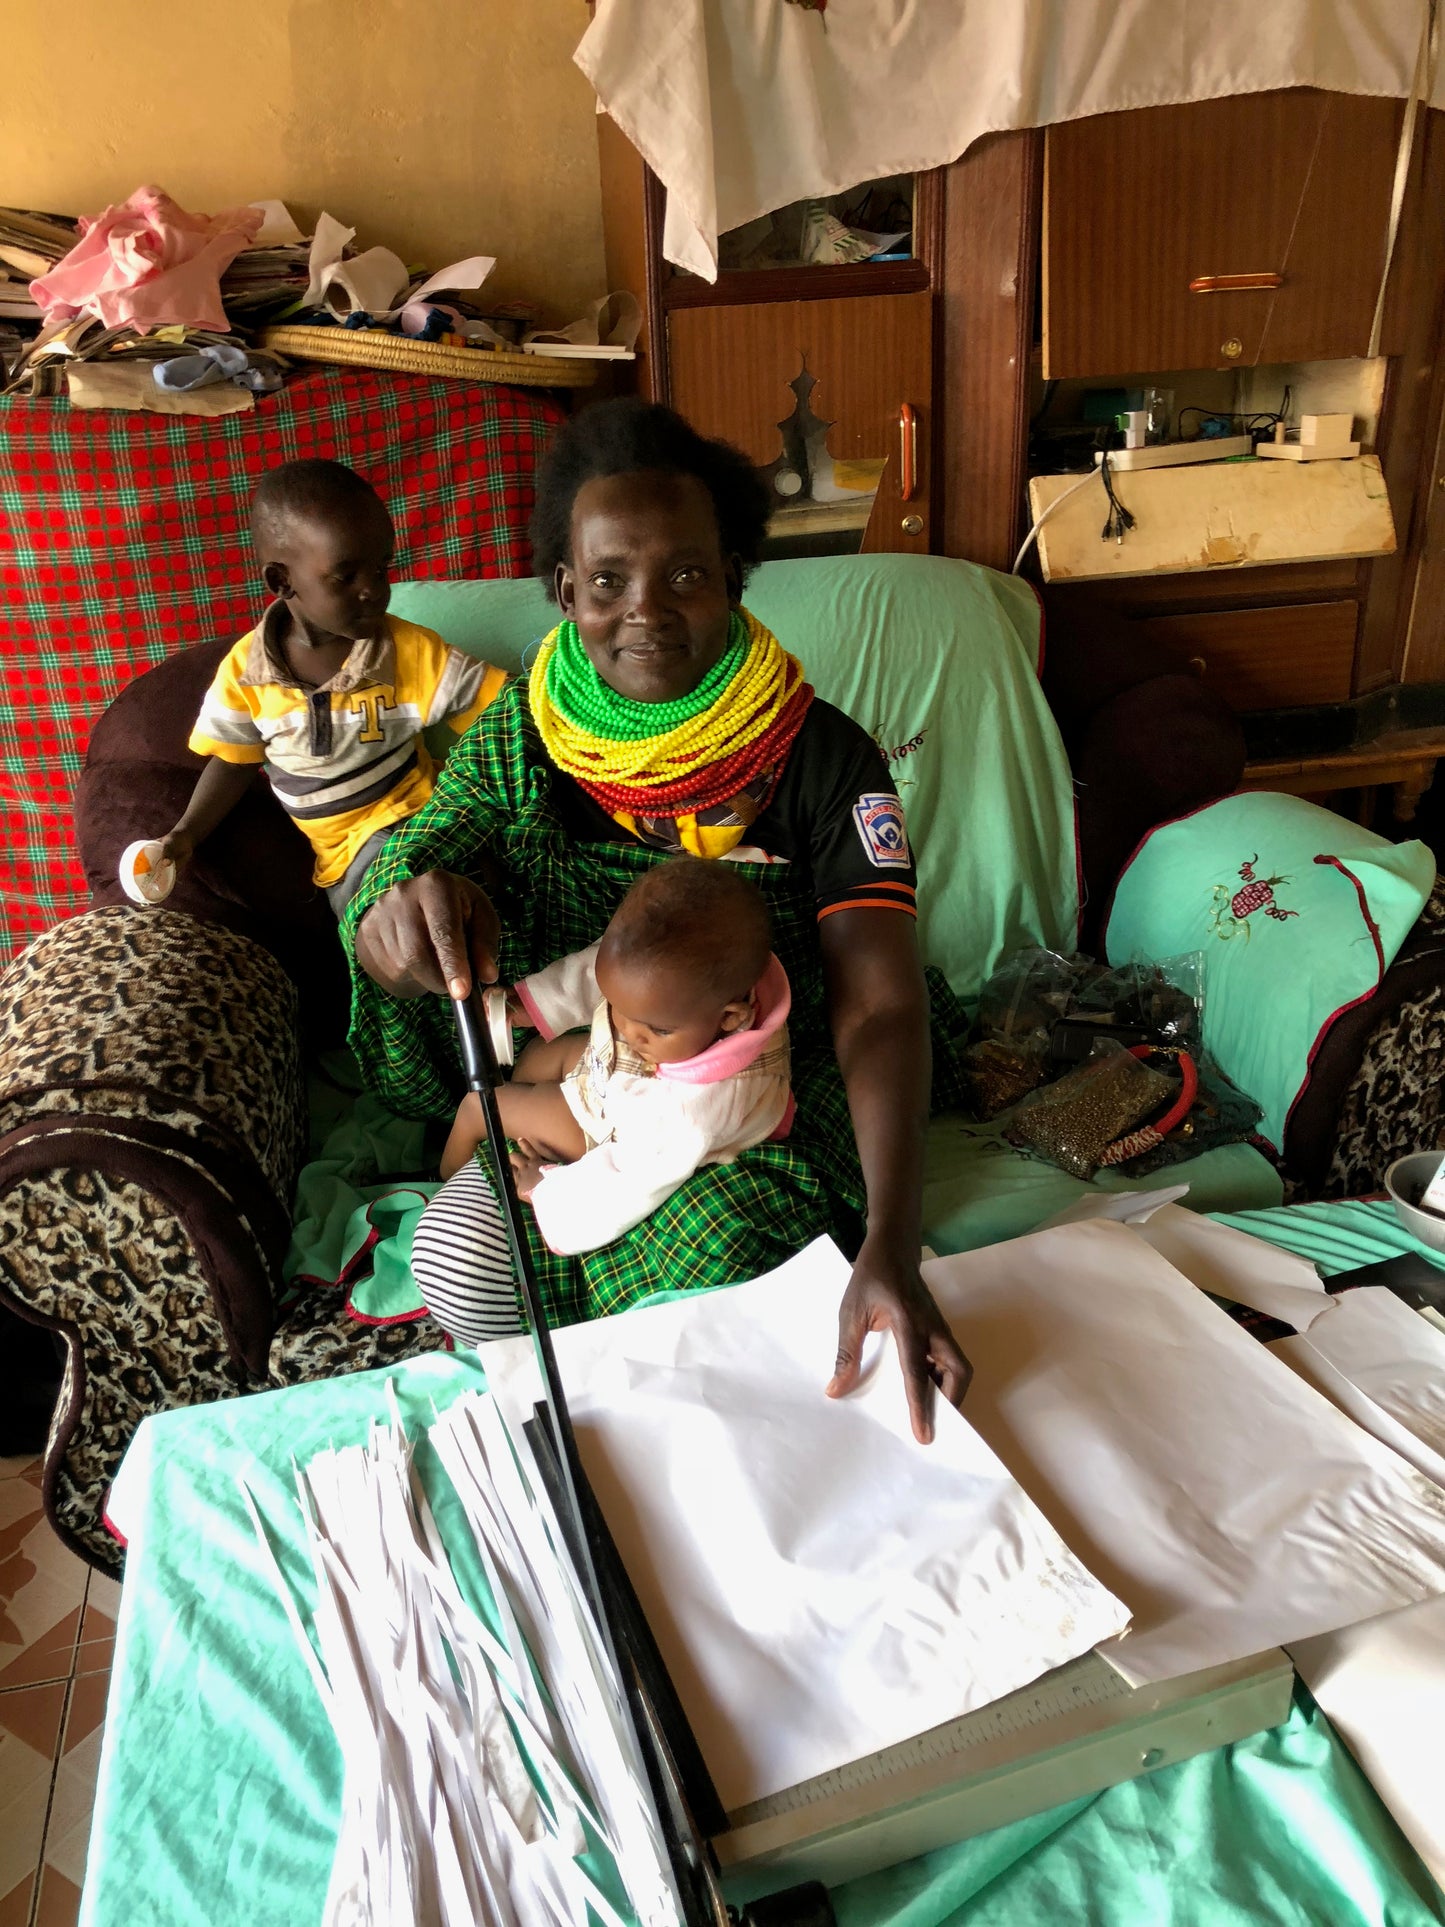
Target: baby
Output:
{"points": [[685, 1063], [329, 694]]}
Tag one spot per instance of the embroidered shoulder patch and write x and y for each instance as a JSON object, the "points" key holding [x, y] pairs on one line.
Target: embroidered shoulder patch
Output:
{"points": [[880, 825]]}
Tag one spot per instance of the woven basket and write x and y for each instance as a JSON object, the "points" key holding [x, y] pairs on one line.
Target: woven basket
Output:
{"points": [[372, 348]]}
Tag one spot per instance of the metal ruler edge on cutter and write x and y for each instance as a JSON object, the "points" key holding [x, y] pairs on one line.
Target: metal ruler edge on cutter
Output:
{"points": [[1074, 1732]]}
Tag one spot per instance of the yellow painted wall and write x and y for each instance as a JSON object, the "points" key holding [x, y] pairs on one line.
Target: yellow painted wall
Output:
{"points": [[436, 130]]}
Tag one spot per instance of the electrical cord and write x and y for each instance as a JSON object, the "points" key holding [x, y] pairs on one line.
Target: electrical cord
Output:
{"points": [[1120, 521], [1052, 509], [1260, 423]]}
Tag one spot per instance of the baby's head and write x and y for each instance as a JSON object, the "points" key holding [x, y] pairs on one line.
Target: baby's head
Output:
{"points": [[324, 541], [680, 958]]}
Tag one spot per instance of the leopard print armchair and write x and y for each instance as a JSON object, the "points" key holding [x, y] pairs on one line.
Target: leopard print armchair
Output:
{"points": [[152, 1123]]}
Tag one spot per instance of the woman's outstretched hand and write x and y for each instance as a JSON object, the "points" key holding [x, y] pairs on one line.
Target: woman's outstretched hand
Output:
{"points": [[435, 935], [887, 1293]]}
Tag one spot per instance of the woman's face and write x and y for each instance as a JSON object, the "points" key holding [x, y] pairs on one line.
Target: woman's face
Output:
{"points": [[648, 585]]}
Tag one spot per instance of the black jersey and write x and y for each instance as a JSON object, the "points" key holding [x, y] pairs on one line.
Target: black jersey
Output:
{"points": [[835, 815]]}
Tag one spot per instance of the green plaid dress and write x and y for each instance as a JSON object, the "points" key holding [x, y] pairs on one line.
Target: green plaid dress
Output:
{"points": [[492, 813]]}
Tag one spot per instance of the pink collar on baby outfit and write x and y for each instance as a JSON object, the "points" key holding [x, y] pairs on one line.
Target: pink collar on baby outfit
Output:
{"points": [[740, 1048]]}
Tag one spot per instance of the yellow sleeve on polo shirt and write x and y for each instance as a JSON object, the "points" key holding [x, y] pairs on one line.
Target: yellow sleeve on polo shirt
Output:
{"points": [[226, 726], [489, 687], [447, 684]]}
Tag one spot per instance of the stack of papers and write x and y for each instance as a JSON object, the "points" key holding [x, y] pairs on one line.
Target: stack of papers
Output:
{"points": [[30, 244], [1225, 1500], [819, 1585], [1381, 1680]]}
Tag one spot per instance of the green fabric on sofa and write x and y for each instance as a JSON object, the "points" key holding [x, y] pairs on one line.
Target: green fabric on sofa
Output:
{"points": [[1269, 891]]}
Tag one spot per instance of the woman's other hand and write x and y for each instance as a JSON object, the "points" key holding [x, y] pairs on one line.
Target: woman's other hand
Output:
{"points": [[887, 1294], [431, 936]]}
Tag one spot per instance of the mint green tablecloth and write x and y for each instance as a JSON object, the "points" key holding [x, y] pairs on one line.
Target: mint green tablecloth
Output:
{"points": [[220, 1780]]}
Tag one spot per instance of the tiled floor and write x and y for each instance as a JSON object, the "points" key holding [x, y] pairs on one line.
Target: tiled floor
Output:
{"points": [[57, 1630]]}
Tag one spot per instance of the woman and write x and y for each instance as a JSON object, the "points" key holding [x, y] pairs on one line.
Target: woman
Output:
{"points": [[662, 718]]}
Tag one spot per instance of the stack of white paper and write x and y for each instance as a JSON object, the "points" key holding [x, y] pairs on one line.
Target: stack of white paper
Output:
{"points": [[1226, 1500], [819, 1584], [1381, 1681]]}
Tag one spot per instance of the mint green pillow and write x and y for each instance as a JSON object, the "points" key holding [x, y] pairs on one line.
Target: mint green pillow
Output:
{"points": [[1296, 914]]}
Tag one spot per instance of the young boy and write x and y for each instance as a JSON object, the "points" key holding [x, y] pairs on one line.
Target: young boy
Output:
{"points": [[329, 694], [685, 1061]]}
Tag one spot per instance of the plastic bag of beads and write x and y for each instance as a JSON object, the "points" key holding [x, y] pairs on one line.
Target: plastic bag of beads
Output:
{"points": [[1021, 1003], [1073, 1121], [1161, 1003]]}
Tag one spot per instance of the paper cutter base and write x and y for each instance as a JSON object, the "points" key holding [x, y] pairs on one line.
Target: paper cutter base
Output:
{"points": [[1074, 1732]]}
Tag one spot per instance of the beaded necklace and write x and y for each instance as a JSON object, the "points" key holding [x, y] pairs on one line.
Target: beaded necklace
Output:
{"points": [[754, 702], [578, 691]]}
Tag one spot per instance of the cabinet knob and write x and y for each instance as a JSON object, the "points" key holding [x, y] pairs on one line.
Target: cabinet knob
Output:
{"points": [[1232, 349], [1198, 665], [913, 525]]}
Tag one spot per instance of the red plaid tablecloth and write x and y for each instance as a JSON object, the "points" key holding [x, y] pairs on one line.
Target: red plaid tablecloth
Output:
{"points": [[123, 538]]}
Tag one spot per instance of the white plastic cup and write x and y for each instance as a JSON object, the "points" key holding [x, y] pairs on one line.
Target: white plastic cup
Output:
{"points": [[494, 1002], [146, 876]]}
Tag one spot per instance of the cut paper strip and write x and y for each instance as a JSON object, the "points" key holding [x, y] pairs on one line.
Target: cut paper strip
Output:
{"points": [[441, 1819], [819, 1584]]}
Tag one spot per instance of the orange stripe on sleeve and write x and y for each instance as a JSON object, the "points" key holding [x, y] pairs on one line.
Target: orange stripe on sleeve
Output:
{"points": [[868, 903]]}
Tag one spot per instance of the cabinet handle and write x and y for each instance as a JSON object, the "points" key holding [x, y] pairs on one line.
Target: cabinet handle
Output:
{"points": [[1234, 283], [908, 451]]}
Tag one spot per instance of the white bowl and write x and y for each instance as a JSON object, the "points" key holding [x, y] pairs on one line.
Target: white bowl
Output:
{"points": [[1405, 1181]]}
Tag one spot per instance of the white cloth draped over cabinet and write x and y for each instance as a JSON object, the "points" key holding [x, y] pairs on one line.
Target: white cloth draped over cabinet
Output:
{"points": [[741, 106]]}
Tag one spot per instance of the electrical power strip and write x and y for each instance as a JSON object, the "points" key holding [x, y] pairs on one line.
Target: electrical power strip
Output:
{"points": [[1176, 454]]}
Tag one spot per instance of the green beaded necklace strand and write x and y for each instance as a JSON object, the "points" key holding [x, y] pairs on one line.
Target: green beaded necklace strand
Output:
{"points": [[589, 703]]}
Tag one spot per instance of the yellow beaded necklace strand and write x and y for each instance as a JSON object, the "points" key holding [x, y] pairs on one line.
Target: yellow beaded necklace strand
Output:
{"points": [[744, 711]]}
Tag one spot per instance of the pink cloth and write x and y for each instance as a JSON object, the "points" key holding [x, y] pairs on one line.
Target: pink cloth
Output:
{"points": [[148, 264], [739, 1048]]}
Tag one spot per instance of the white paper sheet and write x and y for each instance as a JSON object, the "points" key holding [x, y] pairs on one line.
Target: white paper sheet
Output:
{"points": [[1396, 1357], [1326, 1377], [819, 1584], [376, 282], [277, 230], [1366, 1350], [1383, 1685], [1229, 1503], [1213, 1256]]}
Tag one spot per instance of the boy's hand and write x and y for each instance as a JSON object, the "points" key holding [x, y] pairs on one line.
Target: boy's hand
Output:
{"points": [[527, 1162], [179, 847]]}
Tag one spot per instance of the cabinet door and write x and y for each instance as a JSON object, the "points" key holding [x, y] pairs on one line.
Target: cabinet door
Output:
{"points": [[732, 370], [1138, 205]]}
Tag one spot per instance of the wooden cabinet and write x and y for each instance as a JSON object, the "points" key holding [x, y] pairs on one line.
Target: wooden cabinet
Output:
{"points": [[839, 358], [1143, 211], [1290, 657], [732, 370], [1068, 253]]}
